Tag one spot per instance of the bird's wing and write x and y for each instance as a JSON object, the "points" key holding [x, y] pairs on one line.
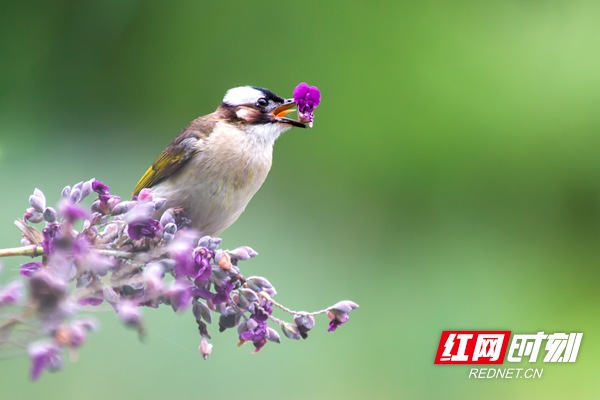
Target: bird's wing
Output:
{"points": [[176, 155]]}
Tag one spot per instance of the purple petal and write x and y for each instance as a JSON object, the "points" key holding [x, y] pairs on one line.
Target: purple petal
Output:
{"points": [[12, 293], [100, 187], [337, 319], [307, 98], [145, 195], [180, 293], [72, 212], [49, 233], [333, 324], [90, 301], [44, 356], [30, 268], [300, 91], [138, 229]]}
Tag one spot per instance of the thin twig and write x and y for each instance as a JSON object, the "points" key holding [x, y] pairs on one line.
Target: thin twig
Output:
{"points": [[265, 296]]}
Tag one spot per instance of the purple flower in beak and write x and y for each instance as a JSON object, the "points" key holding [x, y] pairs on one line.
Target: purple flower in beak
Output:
{"points": [[307, 98]]}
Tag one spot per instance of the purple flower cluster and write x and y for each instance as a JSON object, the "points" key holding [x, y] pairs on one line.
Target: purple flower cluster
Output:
{"points": [[307, 98], [130, 255]]}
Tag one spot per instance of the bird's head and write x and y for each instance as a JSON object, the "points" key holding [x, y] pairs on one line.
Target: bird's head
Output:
{"points": [[259, 110]]}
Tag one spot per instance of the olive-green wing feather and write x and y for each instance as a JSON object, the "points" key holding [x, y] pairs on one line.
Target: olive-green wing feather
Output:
{"points": [[176, 155], [167, 163]]}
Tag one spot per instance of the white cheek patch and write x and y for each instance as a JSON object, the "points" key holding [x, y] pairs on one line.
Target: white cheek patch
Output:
{"points": [[243, 113], [242, 95]]}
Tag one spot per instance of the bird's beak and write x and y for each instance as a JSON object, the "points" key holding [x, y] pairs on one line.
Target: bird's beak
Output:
{"points": [[280, 112]]}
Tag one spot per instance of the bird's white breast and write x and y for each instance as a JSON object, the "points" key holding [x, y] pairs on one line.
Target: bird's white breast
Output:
{"points": [[215, 186]]}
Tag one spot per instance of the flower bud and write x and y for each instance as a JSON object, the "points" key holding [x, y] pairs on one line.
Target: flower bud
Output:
{"points": [[159, 203], [167, 218], [76, 336], [86, 189], [272, 335], [344, 306], [211, 243], [49, 214], [227, 321], [223, 260], [123, 207], [170, 228], [304, 321], [66, 192], [251, 324], [110, 295], [242, 253], [38, 203], [33, 216], [75, 195], [249, 294], [290, 331], [243, 303], [204, 241], [112, 202], [129, 314], [97, 207], [145, 195], [70, 335], [258, 283], [201, 311], [205, 348]]}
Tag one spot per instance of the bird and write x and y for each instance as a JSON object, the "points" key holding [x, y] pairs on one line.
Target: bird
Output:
{"points": [[218, 162]]}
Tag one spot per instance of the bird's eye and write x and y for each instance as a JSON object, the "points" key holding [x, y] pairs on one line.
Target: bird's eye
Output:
{"points": [[262, 102]]}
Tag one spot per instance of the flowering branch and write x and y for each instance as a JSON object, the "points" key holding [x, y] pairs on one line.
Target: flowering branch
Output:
{"points": [[34, 250], [115, 252], [30, 251]]}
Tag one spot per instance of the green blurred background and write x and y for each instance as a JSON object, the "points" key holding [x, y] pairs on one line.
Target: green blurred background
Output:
{"points": [[451, 181]]}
